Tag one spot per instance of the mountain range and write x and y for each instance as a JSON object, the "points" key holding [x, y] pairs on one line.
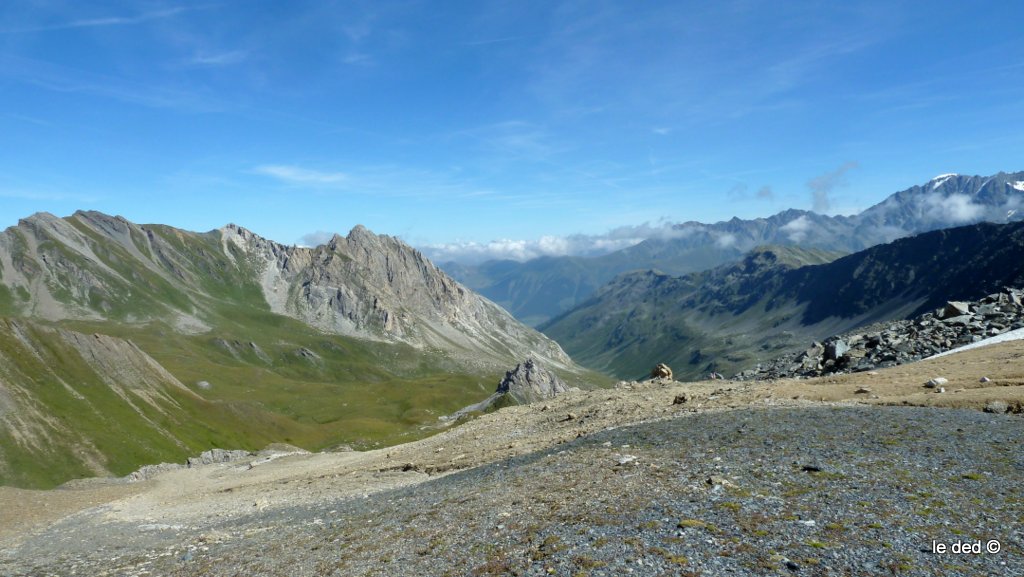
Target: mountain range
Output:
{"points": [[776, 300], [125, 344], [537, 290]]}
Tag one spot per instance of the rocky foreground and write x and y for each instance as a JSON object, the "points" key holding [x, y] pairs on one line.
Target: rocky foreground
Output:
{"points": [[861, 474]]}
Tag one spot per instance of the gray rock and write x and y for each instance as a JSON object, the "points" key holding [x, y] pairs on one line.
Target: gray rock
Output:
{"points": [[902, 341], [962, 320], [218, 456], [835, 349], [997, 407], [529, 382], [954, 309], [936, 382]]}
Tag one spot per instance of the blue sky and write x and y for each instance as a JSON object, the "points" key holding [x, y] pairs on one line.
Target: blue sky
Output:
{"points": [[461, 123]]}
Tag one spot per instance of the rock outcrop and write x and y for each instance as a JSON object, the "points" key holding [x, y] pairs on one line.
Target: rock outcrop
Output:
{"points": [[953, 325], [529, 382]]}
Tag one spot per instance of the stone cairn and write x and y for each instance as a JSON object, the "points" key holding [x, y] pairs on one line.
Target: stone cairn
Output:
{"points": [[662, 371]]}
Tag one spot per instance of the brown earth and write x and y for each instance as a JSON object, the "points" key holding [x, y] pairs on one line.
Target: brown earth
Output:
{"points": [[203, 496]]}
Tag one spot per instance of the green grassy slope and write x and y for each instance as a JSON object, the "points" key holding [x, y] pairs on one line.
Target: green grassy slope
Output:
{"points": [[69, 412], [290, 385]]}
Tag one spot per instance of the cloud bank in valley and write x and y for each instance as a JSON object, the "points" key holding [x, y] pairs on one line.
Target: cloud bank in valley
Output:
{"points": [[572, 245], [796, 230]]}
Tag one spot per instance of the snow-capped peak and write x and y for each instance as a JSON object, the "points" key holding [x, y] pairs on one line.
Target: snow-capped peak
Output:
{"points": [[938, 180], [1019, 185]]}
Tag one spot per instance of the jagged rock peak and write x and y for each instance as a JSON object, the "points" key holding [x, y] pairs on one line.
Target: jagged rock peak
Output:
{"points": [[529, 382], [360, 231]]}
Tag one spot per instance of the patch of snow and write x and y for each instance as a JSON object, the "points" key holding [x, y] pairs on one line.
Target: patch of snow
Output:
{"points": [[1015, 335], [938, 180], [1019, 185]]}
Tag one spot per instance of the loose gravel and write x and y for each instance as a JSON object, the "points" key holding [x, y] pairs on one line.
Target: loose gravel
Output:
{"points": [[844, 490]]}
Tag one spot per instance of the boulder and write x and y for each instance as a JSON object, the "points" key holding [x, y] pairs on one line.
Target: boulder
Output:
{"points": [[955, 309], [835, 349], [997, 407]]}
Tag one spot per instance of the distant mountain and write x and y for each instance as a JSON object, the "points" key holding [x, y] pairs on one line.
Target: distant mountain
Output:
{"points": [[539, 289], [729, 318], [359, 341]]}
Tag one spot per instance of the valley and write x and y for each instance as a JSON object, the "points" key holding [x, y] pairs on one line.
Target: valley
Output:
{"points": [[129, 344], [729, 319], [513, 478]]}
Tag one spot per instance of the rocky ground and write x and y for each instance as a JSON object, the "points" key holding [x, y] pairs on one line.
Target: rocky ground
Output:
{"points": [[888, 344], [857, 474]]}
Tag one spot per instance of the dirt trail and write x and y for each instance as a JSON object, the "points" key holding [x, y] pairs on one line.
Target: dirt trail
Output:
{"points": [[204, 496]]}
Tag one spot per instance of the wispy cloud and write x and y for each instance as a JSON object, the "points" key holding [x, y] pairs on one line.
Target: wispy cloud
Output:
{"points": [[821, 186], [315, 238], [298, 175], [384, 181], [36, 195], [741, 192], [491, 41], [516, 137], [57, 78], [219, 58], [105, 21], [359, 59]]}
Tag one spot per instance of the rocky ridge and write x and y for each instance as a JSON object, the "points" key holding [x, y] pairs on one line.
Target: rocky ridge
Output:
{"points": [[95, 267], [375, 286], [956, 324], [730, 318], [543, 288]]}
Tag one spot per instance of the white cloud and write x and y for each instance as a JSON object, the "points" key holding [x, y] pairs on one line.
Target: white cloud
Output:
{"points": [[822, 185], [725, 240], [796, 230], [953, 209], [299, 175], [571, 245]]}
